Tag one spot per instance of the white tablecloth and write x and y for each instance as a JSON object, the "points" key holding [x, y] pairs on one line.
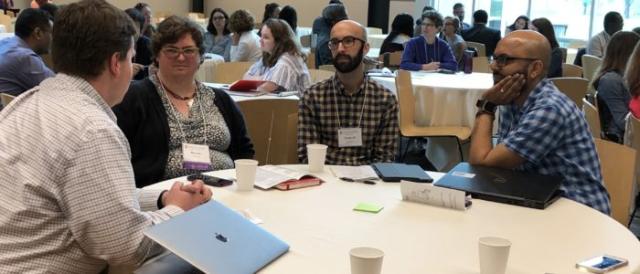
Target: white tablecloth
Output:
{"points": [[320, 225], [445, 99]]}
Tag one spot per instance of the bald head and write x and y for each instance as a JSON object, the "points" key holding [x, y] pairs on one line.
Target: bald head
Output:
{"points": [[350, 26], [526, 43]]}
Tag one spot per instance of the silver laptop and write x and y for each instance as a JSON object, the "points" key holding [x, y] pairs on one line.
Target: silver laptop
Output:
{"points": [[218, 240]]}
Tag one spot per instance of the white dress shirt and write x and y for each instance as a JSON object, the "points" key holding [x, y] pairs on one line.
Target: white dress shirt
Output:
{"points": [[248, 48]]}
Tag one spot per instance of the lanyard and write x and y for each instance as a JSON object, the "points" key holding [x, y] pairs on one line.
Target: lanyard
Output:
{"points": [[335, 101], [435, 50], [175, 115]]}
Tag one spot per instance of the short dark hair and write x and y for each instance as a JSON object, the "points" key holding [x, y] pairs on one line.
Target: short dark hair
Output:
{"points": [[434, 16], [136, 16], [51, 9], [289, 14], [171, 30], [29, 20], [612, 22], [480, 17], [334, 13], [87, 34], [241, 21], [335, 2], [458, 5], [211, 28], [268, 11], [140, 6]]}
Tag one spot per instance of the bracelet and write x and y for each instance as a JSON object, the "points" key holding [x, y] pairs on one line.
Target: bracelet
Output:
{"points": [[482, 111], [159, 203]]}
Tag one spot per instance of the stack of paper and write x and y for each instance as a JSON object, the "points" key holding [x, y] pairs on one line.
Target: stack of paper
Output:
{"points": [[355, 173]]}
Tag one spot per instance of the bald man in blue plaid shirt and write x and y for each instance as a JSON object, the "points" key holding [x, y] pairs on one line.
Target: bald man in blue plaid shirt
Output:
{"points": [[541, 130]]}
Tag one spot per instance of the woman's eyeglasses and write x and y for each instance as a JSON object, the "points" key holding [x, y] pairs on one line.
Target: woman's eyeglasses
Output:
{"points": [[172, 52]]}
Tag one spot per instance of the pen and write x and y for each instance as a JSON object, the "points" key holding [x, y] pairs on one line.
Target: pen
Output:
{"points": [[368, 182]]}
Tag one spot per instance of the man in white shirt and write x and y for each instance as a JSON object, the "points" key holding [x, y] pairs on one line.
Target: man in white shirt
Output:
{"points": [[613, 23], [68, 202]]}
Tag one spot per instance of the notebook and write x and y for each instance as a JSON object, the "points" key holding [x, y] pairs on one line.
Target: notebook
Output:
{"points": [[504, 185], [245, 85], [394, 172], [218, 240]]}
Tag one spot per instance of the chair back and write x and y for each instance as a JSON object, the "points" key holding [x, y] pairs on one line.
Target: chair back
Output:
{"points": [[564, 54], [327, 67], [406, 101], [311, 60], [632, 139], [374, 30], [574, 87], [318, 75], [391, 59], [5, 99], [229, 72], [590, 65], [617, 163], [570, 70], [268, 123], [305, 41], [481, 64], [6, 21], [592, 117], [479, 47]]}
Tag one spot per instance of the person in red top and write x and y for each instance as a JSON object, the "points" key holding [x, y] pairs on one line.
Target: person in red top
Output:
{"points": [[632, 76]]}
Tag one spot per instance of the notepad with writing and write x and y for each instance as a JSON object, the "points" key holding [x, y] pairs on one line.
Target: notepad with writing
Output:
{"points": [[355, 173], [269, 176]]}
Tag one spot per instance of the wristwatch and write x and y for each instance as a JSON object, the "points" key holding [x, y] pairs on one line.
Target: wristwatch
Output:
{"points": [[486, 106]]}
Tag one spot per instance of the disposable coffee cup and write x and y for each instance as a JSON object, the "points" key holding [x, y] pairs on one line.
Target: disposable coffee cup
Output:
{"points": [[245, 174], [316, 154], [494, 254], [366, 260]]}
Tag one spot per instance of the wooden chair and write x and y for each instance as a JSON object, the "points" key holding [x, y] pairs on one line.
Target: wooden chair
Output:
{"points": [[574, 87], [590, 65], [570, 70], [391, 59], [564, 54], [481, 64], [632, 139], [5, 99], [374, 30], [6, 21], [311, 60], [305, 41], [407, 104], [617, 163], [268, 123], [593, 118], [479, 47], [327, 67], [318, 75], [229, 72]]}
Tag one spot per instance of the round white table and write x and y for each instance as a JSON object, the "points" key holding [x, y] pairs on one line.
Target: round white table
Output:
{"points": [[321, 227], [444, 99]]}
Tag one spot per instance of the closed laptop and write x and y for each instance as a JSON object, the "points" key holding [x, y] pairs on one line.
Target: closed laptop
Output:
{"points": [[394, 172]]}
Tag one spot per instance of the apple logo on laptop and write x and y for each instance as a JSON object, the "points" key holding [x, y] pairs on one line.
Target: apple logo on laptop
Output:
{"points": [[221, 238]]}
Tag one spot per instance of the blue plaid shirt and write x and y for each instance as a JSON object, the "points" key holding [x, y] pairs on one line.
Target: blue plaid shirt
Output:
{"points": [[551, 133]]}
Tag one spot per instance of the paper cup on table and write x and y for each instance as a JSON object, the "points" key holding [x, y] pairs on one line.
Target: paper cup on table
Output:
{"points": [[245, 174], [316, 153], [366, 260], [494, 254]]}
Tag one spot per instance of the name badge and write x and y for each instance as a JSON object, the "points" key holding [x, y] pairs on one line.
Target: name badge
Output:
{"points": [[195, 157], [350, 137]]}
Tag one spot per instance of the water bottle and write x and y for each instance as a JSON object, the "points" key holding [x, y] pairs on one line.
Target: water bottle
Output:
{"points": [[467, 58]]}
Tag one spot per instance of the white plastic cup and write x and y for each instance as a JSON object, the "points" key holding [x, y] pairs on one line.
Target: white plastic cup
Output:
{"points": [[245, 174], [494, 254], [316, 154], [366, 260]]}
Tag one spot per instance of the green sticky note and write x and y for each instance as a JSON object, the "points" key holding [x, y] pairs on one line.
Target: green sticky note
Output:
{"points": [[366, 207]]}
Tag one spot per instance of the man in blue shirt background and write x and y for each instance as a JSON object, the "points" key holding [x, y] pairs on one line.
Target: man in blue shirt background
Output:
{"points": [[21, 66], [541, 130]]}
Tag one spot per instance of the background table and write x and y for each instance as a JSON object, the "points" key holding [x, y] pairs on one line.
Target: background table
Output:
{"points": [[375, 40], [320, 226]]}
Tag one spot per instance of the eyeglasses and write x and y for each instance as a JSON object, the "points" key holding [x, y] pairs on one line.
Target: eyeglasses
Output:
{"points": [[172, 52], [216, 18], [503, 59], [347, 42], [428, 25]]}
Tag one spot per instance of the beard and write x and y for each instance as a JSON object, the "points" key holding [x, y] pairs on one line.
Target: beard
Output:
{"points": [[350, 64]]}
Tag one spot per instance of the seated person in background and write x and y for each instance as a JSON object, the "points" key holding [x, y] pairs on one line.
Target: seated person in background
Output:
{"points": [[458, 12], [544, 27], [522, 22], [143, 47], [217, 39], [51, 9], [356, 117], [148, 29], [69, 202], [632, 78], [170, 109], [21, 66], [455, 41], [613, 95], [417, 30], [636, 30], [289, 15], [401, 32], [613, 23], [331, 14], [271, 10], [427, 51], [282, 65], [245, 44], [480, 33], [541, 130]]}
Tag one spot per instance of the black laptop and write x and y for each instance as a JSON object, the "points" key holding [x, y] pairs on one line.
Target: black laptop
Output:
{"points": [[504, 185]]}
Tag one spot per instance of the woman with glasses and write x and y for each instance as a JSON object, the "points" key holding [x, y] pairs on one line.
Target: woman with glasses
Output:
{"points": [[245, 44], [613, 93], [428, 52], [544, 27], [282, 66], [455, 41], [217, 39], [175, 125]]}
